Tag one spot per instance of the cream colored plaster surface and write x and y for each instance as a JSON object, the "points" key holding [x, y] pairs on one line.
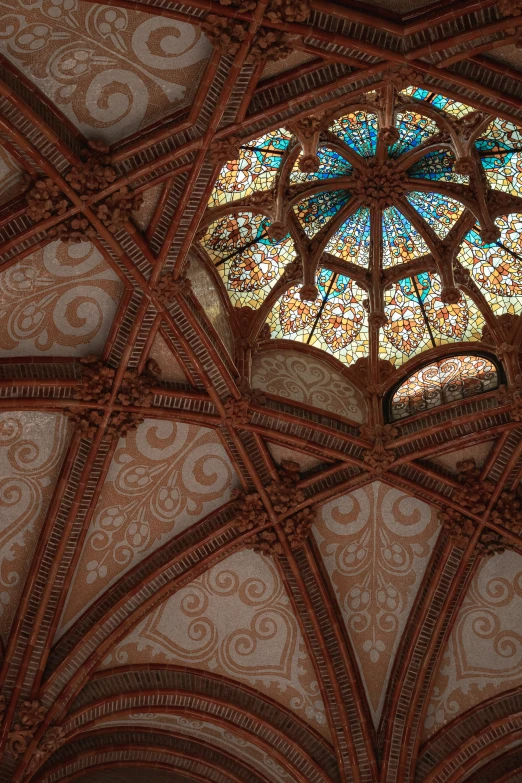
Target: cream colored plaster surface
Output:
{"points": [[170, 367], [483, 656], [163, 478], [298, 377], [60, 301], [208, 296], [305, 461], [235, 620], [479, 452], [110, 70], [32, 448], [376, 543], [143, 215], [223, 738]]}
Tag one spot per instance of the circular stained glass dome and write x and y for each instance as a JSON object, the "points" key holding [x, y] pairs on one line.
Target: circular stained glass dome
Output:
{"points": [[387, 231]]}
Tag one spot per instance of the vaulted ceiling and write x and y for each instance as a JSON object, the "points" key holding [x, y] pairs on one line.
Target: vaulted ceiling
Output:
{"points": [[219, 561]]}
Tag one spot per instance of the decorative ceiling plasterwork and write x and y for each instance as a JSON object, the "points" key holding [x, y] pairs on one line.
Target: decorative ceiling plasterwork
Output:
{"points": [[235, 620], [161, 417], [376, 543], [111, 71], [163, 478]]}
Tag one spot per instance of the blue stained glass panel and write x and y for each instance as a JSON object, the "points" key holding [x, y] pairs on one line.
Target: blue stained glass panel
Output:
{"points": [[401, 242], [359, 131], [414, 129], [439, 211], [314, 212], [437, 165], [352, 241], [331, 165]]}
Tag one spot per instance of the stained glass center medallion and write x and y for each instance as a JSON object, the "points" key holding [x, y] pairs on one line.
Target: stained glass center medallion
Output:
{"points": [[388, 223]]}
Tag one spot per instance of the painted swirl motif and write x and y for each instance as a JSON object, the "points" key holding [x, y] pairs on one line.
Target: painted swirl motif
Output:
{"points": [[110, 70], [11, 176], [375, 543], [60, 300], [212, 733], [483, 656], [32, 446], [235, 620], [288, 374], [162, 479]]}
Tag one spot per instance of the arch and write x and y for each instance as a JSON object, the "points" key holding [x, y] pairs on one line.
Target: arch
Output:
{"points": [[438, 383]]}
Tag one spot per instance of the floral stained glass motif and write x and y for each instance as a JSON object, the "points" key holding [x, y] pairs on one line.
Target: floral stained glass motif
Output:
{"points": [[419, 319], [359, 131], [401, 242], [450, 379], [255, 169], [336, 322], [500, 149], [414, 129], [314, 212], [439, 211], [247, 260], [331, 164], [441, 102], [352, 241], [497, 267], [438, 165]]}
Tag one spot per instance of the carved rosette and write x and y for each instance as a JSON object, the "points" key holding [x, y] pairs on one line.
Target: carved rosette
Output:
{"points": [[288, 10], [474, 495], [237, 412], [92, 175], [270, 45], [284, 495], [53, 739], [224, 33], [30, 715], [402, 76], [136, 388], [510, 7], [223, 150], [116, 210], [168, 287], [243, 6], [379, 184], [381, 455], [95, 382]]}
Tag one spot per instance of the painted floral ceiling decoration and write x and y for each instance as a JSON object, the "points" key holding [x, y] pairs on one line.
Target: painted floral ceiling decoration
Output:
{"points": [[260, 391], [398, 232]]}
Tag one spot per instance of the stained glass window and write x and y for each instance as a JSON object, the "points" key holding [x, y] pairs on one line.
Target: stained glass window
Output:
{"points": [[352, 241], [418, 318], [447, 380], [247, 260], [497, 267], [359, 131], [331, 164], [255, 169], [368, 216], [400, 240], [441, 102], [336, 322], [437, 165], [441, 212], [316, 211], [414, 129], [500, 148]]}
